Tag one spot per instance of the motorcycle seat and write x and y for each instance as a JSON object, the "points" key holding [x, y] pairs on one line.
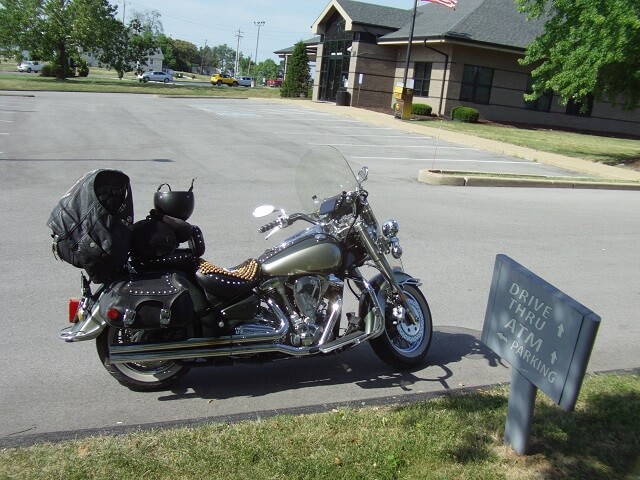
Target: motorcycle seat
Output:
{"points": [[228, 282]]}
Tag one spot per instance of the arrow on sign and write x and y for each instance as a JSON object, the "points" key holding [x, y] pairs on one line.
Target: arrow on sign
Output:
{"points": [[560, 330], [502, 337], [554, 357]]}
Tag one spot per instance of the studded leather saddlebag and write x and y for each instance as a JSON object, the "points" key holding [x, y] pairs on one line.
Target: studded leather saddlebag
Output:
{"points": [[148, 301]]}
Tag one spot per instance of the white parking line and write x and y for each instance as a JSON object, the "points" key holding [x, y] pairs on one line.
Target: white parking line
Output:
{"points": [[439, 147], [6, 121], [439, 160], [352, 135], [344, 127]]}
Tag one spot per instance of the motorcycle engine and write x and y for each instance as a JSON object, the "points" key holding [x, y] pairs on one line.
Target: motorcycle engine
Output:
{"points": [[308, 293]]}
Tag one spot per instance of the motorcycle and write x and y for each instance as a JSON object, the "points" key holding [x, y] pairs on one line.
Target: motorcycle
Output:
{"points": [[287, 303]]}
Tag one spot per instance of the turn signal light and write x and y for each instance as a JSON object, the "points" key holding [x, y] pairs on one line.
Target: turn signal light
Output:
{"points": [[73, 308], [113, 314]]}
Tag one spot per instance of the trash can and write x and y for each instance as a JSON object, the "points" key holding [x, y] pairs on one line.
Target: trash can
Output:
{"points": [[343, 98]]}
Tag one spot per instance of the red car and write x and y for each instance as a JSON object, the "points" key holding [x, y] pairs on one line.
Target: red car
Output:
{"points": [[274, 83]]}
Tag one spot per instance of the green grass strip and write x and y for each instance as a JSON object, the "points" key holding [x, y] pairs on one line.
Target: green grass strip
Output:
{"points": [[457, 436]]}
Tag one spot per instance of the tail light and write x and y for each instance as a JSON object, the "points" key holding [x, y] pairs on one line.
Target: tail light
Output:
{"points": [[74, 303]]}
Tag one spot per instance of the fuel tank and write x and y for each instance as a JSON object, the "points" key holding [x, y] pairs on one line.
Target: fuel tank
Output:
{"points": [[311, 251]]}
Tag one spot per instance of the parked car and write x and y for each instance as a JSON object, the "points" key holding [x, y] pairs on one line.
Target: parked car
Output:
{"points": [[155, 77], [220, 79], [245, 81], [30, 66], [274, 82]]}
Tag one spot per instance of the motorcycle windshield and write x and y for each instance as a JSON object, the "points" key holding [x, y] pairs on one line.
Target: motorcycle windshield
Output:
{"points": [[323, 173]]}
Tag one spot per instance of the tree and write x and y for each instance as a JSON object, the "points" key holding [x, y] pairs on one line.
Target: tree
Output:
{"points": [[131, 46], [588, 50], [266, 70], [225, 57], [57, 30], [296, 80]]}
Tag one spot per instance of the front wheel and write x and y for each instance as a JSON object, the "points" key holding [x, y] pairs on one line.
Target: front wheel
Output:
{"points": [[402, 344], [141, 376]]}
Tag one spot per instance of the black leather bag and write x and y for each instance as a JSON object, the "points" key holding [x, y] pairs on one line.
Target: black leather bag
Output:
{"points": [[148, 301], [92, 223]]}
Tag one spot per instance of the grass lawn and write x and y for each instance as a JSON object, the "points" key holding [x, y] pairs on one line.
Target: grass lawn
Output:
{"points": [[608, 150], [106, 81], [451, 437]]}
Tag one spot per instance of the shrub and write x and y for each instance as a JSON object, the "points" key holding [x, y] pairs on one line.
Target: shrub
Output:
{"points": [[421, 109], [82, 68], [465, 114], [49, 70]]}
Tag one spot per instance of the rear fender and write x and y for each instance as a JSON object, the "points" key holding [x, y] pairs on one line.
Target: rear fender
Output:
{"points": [[88, 329]]}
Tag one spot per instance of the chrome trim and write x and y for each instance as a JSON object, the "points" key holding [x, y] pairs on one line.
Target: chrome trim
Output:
{"points": [[89, 329]]}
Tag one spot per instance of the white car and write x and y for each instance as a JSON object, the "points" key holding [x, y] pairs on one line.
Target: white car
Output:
{"points": [[245, 81], [155, 77], [30, 66]]}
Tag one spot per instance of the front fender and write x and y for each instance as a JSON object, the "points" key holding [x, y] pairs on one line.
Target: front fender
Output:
{"points": [[379, 285]]}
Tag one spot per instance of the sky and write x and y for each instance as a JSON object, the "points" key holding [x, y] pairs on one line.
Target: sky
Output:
{"points": [[217, 22]]}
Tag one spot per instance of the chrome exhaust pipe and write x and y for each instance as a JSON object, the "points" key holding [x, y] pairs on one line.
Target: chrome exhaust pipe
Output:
{"points": [[195, 347], [189, 354]]}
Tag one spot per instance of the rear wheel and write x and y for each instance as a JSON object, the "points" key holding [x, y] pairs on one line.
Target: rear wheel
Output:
{"points": [[166, 80], [403, 344], [141, 376], [219, 83]]}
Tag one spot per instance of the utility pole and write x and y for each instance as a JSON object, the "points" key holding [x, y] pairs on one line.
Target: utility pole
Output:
{"points": [[235, 67], [255, 58], [124, 9], [202, 57]]}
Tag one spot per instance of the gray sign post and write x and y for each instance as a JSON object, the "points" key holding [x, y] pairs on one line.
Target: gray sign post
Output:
{"points": [[544, 334]]}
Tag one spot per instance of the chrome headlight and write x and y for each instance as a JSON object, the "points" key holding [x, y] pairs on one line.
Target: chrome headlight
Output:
{"points": [[390, 228]]}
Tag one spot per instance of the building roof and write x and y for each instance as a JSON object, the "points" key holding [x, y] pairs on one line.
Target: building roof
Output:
{"points": [[496, 23], [375, 15], [309, 42], [493, 22]]}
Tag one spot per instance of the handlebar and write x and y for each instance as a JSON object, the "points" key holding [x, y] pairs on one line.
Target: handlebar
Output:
{"points": [[270, 225], [284, 221]]}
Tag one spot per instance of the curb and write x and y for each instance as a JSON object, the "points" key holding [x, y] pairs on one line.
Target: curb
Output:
{"points": [[482, 179]]}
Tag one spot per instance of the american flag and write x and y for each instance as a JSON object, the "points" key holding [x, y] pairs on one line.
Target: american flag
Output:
{"points": [[446, 3]]}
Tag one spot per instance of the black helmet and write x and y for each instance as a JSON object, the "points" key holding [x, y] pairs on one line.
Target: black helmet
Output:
{"points": [[174, 204]]}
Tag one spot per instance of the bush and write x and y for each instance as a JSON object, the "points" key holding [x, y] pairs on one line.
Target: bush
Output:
{"points": [[49, 70], [82, 68], [465, 114], [421, 109]]}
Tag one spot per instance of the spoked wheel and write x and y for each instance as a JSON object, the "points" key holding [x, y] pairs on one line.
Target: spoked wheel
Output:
{"points": [[403, 344], [140, 376]]}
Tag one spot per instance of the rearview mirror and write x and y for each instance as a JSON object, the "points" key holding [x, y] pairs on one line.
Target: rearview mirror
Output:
{"points": [[263, 210]]}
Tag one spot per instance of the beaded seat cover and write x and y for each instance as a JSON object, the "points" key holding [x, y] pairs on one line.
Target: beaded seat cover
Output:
{"points": [[247, 270]]}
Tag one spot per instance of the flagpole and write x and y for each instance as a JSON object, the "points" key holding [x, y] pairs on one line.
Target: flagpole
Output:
{"points": [[413, 24]]}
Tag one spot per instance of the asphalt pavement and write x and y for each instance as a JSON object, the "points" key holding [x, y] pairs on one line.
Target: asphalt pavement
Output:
{"points": [[243, 153], [580, 167]]}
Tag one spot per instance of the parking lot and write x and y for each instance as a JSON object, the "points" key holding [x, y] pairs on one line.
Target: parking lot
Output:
{"points": [[243, 153]]}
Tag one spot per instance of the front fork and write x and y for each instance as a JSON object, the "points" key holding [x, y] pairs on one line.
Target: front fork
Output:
{"points": [[401, 310]]}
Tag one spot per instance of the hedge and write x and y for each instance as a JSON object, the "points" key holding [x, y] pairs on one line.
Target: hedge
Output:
{"points": [[421, 109], [465, 114]]}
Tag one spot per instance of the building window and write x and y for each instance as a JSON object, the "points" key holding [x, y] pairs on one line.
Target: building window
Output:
{"points": [[476, 84], [336, 53], [421, 78], [540, 104], [576, 108]]}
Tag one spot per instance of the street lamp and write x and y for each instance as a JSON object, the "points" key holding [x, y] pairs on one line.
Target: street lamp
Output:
{"points": [[255, 58]]}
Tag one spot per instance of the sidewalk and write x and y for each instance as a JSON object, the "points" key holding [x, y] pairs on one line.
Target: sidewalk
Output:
{"points": [[601, 171]]}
